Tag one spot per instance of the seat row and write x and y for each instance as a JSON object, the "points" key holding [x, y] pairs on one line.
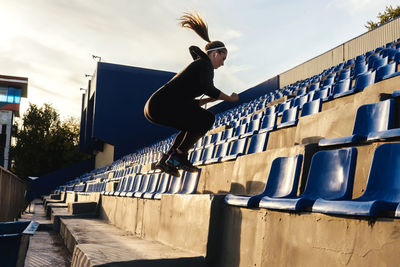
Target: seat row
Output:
{"points": [[153, 185], [330, 183]]}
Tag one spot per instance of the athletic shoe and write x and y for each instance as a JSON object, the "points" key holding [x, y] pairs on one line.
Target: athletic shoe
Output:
{"points": [[163, 166], [180, 161]]}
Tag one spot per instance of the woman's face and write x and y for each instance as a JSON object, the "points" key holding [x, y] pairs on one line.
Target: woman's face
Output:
{"points": [[218, 58]]}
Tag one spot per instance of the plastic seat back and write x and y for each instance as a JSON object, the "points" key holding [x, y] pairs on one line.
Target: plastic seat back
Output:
{"points": [[136, 183], [284, 176], [153, 183], [323, 93], [311, 107], [164, 183], [238, 146], [175, 185], [253, 126], [363, 80], [208, 153], [258, 143], [379, 62], [360, 68], [384, 70], [290, 115], [374, 117], [331, 174], [344, 74], [383, 181], [196, 155], [329, 80], [341, 86], [269, 122], [300, 101], [314, 86], [191, 180]]}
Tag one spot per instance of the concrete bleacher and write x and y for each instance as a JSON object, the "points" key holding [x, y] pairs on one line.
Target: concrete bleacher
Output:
{"points": [[201, 230]]}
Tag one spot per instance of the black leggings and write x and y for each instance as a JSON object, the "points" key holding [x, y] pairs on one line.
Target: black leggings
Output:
{"points": [[192, 121]]}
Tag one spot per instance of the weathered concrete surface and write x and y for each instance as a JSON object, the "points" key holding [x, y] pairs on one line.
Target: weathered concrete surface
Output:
{"points": [[252, 237], [50, 206], [45, 246], [85, 197], [82, 207], [96, 243], [284, 137], [215, 178]]}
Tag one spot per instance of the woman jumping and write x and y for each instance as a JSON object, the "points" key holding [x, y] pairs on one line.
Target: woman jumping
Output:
{"points": [[174, 104]]}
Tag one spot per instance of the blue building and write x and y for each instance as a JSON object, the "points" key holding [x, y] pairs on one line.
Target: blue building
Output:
{"points": [[112, 120]]}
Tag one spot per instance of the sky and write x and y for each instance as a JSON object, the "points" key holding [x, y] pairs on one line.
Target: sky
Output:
{"points": [[51, 42]]}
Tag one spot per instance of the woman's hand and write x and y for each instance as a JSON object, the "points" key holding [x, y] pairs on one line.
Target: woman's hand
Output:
{"points": [[234, 97]]}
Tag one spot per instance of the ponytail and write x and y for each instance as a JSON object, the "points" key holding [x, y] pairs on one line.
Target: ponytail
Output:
{"points": [[196, 23]]}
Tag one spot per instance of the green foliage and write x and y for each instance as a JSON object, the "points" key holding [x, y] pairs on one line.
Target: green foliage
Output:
{"points": [[44, 143], [389, 14]]}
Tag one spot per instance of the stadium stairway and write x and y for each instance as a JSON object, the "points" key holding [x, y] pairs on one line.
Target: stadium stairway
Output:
{"points": [[202, 230]]}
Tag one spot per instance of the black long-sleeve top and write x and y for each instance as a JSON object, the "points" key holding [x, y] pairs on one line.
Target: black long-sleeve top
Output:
{"points": [[195, 80]]}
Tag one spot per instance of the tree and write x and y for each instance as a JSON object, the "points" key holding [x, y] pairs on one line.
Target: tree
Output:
{"points": [[389, 14], [44, 143]]}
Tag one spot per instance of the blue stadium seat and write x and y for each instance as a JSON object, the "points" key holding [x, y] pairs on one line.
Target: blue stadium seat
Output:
{"points": [[341, 88], [216, 137], [143, 185], [162, 186], [300, 101], [330, 177], [268, 123], [382, 193], [120, 187], [135, 185], [378, 62], [258, 143], [270, 110], [253, 128], [284, 106], [222, 151], [301, 91], [311, 107], [344, 74], [152, 186], [282, 182], [238, 148], [207, 155], [174, 187], [321, 94], [360, 68], [362, 81], [376, 117], [289, 118], [227, 134], [190, 182], [314, 86], [127, 187], [196, 156], [385, 72], [329, 80], [240, 130]]}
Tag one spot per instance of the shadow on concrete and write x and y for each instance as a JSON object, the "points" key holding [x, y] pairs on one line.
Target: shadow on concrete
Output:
{"points": [[180, 262]]}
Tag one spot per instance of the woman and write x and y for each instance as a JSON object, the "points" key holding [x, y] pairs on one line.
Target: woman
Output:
{"points": [[174, 104]]}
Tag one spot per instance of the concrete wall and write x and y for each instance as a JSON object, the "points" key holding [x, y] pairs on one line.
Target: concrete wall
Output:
{"points": [[12, 192], [260, 237], [366, 42], [105, 157], [181, 221]]}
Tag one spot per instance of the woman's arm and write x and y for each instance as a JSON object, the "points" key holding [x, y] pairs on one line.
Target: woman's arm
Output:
{"points": [[232, 98], [204, 101]]}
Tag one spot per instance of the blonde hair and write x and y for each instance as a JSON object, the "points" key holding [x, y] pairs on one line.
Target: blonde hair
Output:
{"points": [[197, 24]]}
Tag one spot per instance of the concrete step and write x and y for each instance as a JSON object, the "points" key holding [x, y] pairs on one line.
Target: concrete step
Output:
{"points": [[97, 243], [45, 247]]}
